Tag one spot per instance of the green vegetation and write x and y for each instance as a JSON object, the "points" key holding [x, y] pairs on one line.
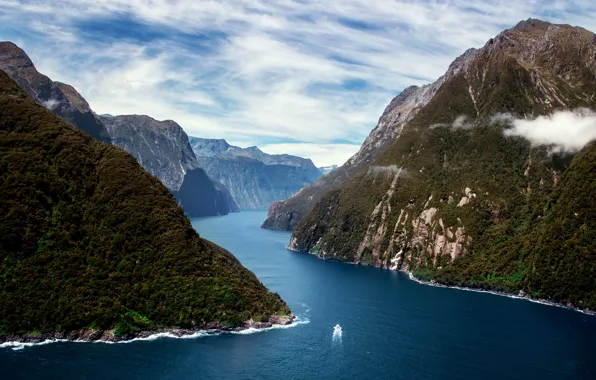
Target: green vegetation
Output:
{"points": [[531, 222], [88, 239]]}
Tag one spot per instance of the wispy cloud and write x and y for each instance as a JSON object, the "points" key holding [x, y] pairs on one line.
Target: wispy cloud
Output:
{"points": [[292, 72]]}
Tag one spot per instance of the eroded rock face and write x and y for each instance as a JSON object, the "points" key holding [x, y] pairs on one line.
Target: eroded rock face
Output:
{"points": [[254, 178], [60, 98], [161, 147]]}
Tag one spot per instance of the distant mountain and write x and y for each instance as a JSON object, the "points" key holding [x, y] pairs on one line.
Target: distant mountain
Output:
{"points": [[62, 99], [160, 146], [327, 169], [457, 196], [254, 178], [163, 149], [93, 247]]}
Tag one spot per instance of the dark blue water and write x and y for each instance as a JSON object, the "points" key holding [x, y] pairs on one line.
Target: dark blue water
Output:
{"points": [[393, 328]]}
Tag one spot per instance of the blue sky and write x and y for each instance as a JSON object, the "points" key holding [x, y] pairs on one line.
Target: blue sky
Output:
{"points": [[292, 76]]}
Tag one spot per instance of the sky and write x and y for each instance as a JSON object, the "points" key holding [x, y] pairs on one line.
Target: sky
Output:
{"points": [[302, 77]]}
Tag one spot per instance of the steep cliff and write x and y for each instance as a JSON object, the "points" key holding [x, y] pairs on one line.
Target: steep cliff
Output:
{"points": [[458, 199], [254, 178], [93, 246], [63, 100], [163, 149]]}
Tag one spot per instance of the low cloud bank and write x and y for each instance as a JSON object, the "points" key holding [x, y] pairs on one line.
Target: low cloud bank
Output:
{"points": [[568, 130]]}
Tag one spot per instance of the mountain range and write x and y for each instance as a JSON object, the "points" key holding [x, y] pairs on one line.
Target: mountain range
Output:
{"points": [[470, 180], [163, 149], [255, 179], [219, 179]]}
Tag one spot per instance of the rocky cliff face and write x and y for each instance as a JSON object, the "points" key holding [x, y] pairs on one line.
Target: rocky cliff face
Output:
{"points": [[458, 200], [255, 179], [62, 99], [163, 149]]}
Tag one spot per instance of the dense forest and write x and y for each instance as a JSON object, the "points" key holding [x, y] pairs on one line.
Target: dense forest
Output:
{"points": [[89, 240]]}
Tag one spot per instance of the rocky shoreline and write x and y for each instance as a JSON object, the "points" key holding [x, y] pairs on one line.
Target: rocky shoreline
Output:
{"points": [[520, 295], [86, 335]]}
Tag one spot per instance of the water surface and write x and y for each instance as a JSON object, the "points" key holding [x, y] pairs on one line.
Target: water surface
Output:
{"points": [[391, 328]]}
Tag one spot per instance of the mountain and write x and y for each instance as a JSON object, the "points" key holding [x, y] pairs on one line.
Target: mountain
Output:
{"points": [[254, 178], [163, 149], [62, 99], [284, 215], [94, 247], [458, 198], [327, 169]]}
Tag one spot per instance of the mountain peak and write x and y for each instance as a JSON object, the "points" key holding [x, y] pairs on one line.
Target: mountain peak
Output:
{"points": [[8, 48], [254, 149], [531, 24]]}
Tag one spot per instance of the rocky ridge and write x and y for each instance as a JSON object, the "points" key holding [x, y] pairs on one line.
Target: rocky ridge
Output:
{"points": [[60, 98], [161, 147], [255, 179]]}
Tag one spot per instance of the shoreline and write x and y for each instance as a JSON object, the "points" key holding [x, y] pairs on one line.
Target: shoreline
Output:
{"points": [[436, 284], [19, 342], [521, 295]]}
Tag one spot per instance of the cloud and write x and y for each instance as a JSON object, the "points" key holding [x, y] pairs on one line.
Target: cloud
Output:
{"points": [[502, 118], [388, 170], [460, 122], [568, 130], [266, 71], [50, 103]]}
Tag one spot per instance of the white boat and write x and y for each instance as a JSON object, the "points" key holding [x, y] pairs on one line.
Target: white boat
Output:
{"points": [[337, 331]]}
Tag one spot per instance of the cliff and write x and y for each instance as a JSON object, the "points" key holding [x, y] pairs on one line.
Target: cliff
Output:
{"points": [[163, 149], [255, 179]]}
